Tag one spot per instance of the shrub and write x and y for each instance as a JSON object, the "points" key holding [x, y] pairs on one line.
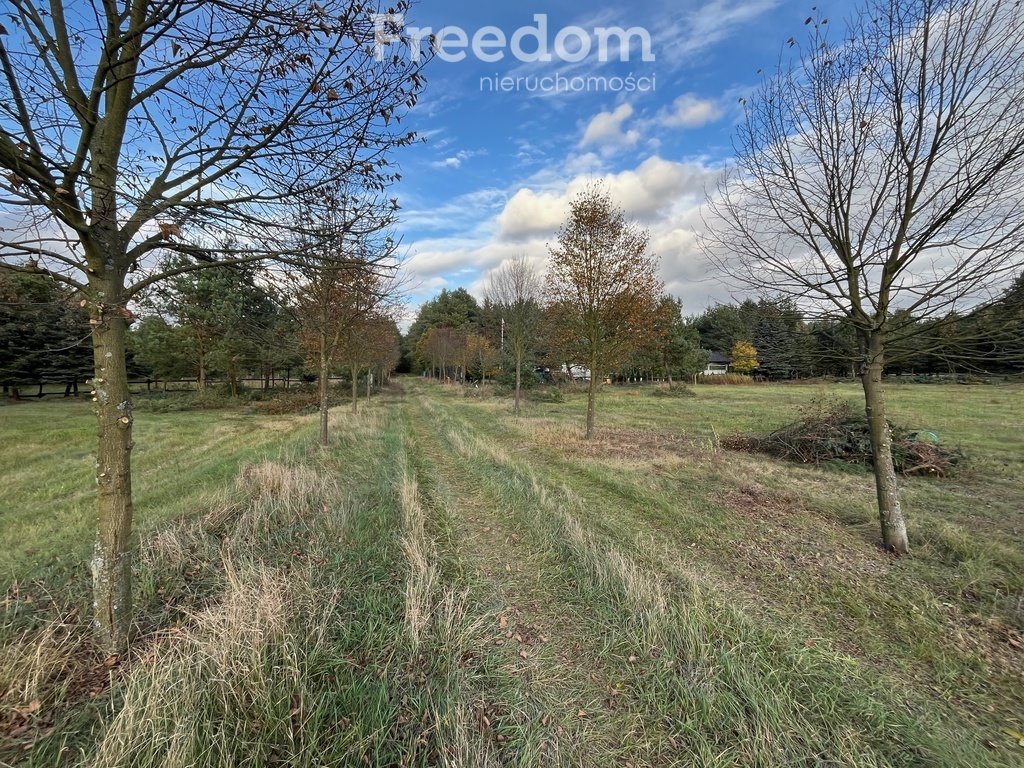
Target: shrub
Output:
{"points": [[829, 430], [171, 402], [676, 390], [301, 401], [529, 377]]}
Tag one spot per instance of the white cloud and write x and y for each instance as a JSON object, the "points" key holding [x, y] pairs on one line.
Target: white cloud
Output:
{"points": [[690, 111], [656, 185], [529, 213], [605, 129], [463, 211], [664, 196], [679, 39], [456, 160]]}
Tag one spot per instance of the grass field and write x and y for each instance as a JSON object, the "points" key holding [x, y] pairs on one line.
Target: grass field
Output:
{"points": [[451, 585]]}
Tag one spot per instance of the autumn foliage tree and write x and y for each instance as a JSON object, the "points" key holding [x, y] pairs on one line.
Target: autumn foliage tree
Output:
{"points": [[442, 349], [130, 126], [744, 357], [479, 355], [604, 285], [369, 343]]}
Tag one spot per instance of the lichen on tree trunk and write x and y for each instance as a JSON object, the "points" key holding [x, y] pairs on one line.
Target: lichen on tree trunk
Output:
{"points": [[112, 556]]}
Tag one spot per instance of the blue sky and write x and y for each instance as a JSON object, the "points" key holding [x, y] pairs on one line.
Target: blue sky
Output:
{"points": [[494, 175]]}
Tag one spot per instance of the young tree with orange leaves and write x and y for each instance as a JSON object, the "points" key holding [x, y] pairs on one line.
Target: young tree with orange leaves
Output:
{"points": [[605, 284]]}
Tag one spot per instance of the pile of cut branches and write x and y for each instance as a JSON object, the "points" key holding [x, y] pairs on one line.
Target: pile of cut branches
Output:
{"points": [[830, 430]]}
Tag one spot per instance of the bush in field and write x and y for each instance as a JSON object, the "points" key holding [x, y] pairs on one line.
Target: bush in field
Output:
{"points": [[506, 379], [829, 429], [676, 390], [744, 357]]}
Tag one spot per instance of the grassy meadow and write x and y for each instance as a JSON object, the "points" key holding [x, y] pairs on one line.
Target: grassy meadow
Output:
{"points": [[448, 584]]}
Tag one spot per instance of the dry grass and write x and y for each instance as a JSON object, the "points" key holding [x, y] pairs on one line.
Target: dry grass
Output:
{"points": [[36, 668], [228, 685], [626, 445], [232, 674], [752, 686], [421, 582]]}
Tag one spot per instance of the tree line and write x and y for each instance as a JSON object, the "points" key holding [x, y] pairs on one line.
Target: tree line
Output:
{"points": [[213, 328], [790, 344]]}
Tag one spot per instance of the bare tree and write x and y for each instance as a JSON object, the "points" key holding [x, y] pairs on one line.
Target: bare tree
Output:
{"points": [[515, 290], [130, 126], [879, 179], [604, 283]]}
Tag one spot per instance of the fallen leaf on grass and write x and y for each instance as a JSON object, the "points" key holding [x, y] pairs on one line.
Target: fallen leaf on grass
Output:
{"points": [[28, 709], [1017, 735]]}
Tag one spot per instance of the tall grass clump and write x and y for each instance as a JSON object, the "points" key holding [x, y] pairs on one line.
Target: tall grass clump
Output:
{"points": [[725, 379], [232, 687]]}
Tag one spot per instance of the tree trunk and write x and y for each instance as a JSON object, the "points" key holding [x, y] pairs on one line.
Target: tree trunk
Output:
{"points": [[201, 380], [112, 557], [324, 387], [369, 384], [355, 389], [591, 398], [894, 528], [519, 383]]}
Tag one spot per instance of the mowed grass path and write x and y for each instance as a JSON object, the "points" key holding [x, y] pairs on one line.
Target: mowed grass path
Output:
{"points": [[451, 585]]}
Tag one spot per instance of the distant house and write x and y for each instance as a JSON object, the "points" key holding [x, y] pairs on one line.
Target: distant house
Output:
{"points": [[717, 364], [576, 373]]}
